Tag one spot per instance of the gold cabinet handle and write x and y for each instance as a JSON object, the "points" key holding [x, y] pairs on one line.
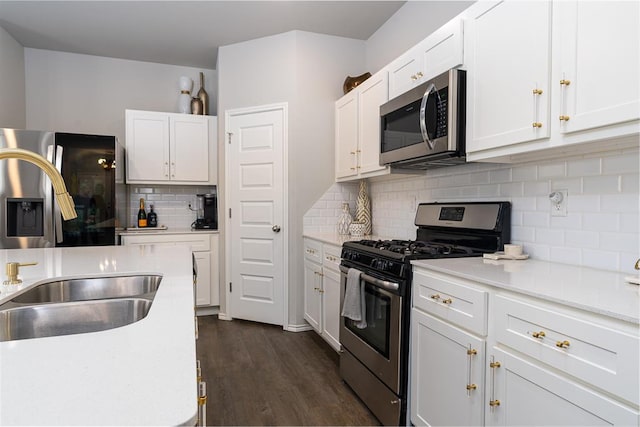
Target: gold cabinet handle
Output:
{"points": [[564, 118], [494, 403], [414, 77], [492, 399], [494, 365], [537, 91], [435, 297], [447, 301], [471, 387], [540, 334], [320, 291], [472, 352], [565, 82], [352, 152], [537, 124], [419, 74], [563, 344]]}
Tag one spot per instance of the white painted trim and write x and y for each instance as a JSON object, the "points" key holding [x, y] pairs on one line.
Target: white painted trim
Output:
{"points": [[224, 316], [284, 106], [298, 328]]}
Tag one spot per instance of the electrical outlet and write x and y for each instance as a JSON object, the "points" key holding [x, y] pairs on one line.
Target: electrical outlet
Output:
{"points": [[559, 199]]}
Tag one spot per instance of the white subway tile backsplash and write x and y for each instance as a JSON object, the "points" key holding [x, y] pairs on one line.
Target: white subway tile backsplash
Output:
{"points": [[603, 204], [583, 167]]}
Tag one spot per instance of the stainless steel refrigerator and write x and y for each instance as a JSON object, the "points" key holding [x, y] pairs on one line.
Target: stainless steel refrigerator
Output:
{"points": [[93, 170]]}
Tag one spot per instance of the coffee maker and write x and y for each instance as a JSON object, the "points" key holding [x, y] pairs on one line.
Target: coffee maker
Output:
{"points": [[207, 212]]}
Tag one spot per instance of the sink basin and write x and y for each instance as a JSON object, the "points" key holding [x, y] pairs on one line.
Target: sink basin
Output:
{"points": [[90, 289], [70, 318]]}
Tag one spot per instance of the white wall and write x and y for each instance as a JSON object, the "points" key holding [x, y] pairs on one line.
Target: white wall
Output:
{"points": [[88, 94], [12, 90], [410, 24], [601, 229], [307, 71]]}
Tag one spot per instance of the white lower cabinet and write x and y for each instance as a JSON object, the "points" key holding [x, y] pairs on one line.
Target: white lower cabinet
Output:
{"points": [[322, 290], [205, 248], [447, 374], [545, 363]]}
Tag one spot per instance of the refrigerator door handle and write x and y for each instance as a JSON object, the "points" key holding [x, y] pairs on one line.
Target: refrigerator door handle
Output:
{"points": [[56, 210]]}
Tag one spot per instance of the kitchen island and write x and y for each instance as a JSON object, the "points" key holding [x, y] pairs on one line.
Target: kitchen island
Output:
{"points": [[140, 374]]}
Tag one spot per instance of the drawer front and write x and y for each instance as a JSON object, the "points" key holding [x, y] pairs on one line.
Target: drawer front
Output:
{"points": [[331, 257], [313, 250], [581, 347], [454, 302], [196, 243]]}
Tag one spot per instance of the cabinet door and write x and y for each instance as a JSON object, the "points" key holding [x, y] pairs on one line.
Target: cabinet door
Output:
{"points": [[312, 296], [347, 135], [442, 50], [405, 72], [531, 395], [147, 146], [189, 148], [447, 370], [214, 279], [600, 58], [203, 285], [508, 78], [331, 308], [372, 93]]}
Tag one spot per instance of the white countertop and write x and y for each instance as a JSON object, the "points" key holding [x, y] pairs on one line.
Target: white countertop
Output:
{"points": [[338, 239], [167, 231], [139, 374], [598, 291]]}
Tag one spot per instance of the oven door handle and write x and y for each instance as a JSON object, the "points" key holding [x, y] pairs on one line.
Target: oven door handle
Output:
{"points": [[384, 284]]}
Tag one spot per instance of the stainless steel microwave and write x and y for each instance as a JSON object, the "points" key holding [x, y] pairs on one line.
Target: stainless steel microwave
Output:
{"points": [[425, 127]]}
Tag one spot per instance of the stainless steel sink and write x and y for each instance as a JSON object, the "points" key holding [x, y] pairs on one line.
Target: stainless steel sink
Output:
{"points": [[70, 318], [90, 289]]}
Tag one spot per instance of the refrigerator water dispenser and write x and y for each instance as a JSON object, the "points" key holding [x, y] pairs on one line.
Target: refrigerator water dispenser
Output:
{"points": [[25, 217]]}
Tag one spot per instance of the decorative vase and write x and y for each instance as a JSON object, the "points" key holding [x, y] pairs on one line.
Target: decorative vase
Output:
{"points": [[196, 106], [344, 220], [363, 207], [351, 82], [184, 99], [204, 97], [356, 229]]}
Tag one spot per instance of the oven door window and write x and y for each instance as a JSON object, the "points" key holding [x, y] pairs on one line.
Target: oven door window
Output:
{"points": [[378, 314]]}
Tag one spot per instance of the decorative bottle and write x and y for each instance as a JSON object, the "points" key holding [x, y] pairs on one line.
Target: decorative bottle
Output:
{"points": [[204, 97], [344, 220], [363, 208], [142, 215], [152, 218]]}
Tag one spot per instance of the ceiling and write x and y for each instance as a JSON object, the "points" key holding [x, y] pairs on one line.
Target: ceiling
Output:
{"points": [[186, 33]]}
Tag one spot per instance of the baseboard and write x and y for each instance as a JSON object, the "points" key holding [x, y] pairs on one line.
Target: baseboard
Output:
{"points": [[207, 311], [298, 328], [224, 316]]}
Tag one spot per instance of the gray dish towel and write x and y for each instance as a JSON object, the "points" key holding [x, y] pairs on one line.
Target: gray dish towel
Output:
{"points": [[354, 306]]}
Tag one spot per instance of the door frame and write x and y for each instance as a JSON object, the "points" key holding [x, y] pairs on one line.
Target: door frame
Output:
{"points": [[228, 114]]}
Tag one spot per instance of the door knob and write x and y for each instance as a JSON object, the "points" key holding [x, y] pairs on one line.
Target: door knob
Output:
{"points": [[276, 228]]}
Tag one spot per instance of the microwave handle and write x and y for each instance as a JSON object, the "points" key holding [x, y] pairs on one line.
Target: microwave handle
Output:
{"points": [[423, 123]]}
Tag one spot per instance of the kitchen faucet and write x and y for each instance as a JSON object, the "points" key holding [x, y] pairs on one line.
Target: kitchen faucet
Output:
{"points": [[67, 207]]}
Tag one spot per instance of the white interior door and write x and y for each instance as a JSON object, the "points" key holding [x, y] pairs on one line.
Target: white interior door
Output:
{"points": [[256, 188]]}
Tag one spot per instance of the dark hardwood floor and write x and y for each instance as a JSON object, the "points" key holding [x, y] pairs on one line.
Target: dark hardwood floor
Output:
{"points": [[258, 374]]}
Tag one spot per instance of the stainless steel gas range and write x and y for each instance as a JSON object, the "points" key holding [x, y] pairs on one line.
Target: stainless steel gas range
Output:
{"points": [[374, 360]]}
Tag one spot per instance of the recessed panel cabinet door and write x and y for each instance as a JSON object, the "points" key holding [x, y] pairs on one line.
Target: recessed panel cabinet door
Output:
{"points": [[372, 93], [346, 135], [599, 63], [189, 148], [312, 295], [447, 370], [331, 307], [147, 146], [524, 393], [508, 74]]}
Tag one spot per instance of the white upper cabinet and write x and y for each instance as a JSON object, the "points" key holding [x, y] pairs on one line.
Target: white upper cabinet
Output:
{"points": [[358, 129], [439, 52], [168, 148], [599, 45], [509, 71], [545, 75]]}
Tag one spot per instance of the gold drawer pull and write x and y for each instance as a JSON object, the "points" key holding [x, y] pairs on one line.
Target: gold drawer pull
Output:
{"points": [[494, 365], [494, 402], [565, 82], [537, 125], [472, 352], [564, 118], [537, 91], [563, 344], [471, 386], [540, 334], [435, 297], [447, 301]]}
